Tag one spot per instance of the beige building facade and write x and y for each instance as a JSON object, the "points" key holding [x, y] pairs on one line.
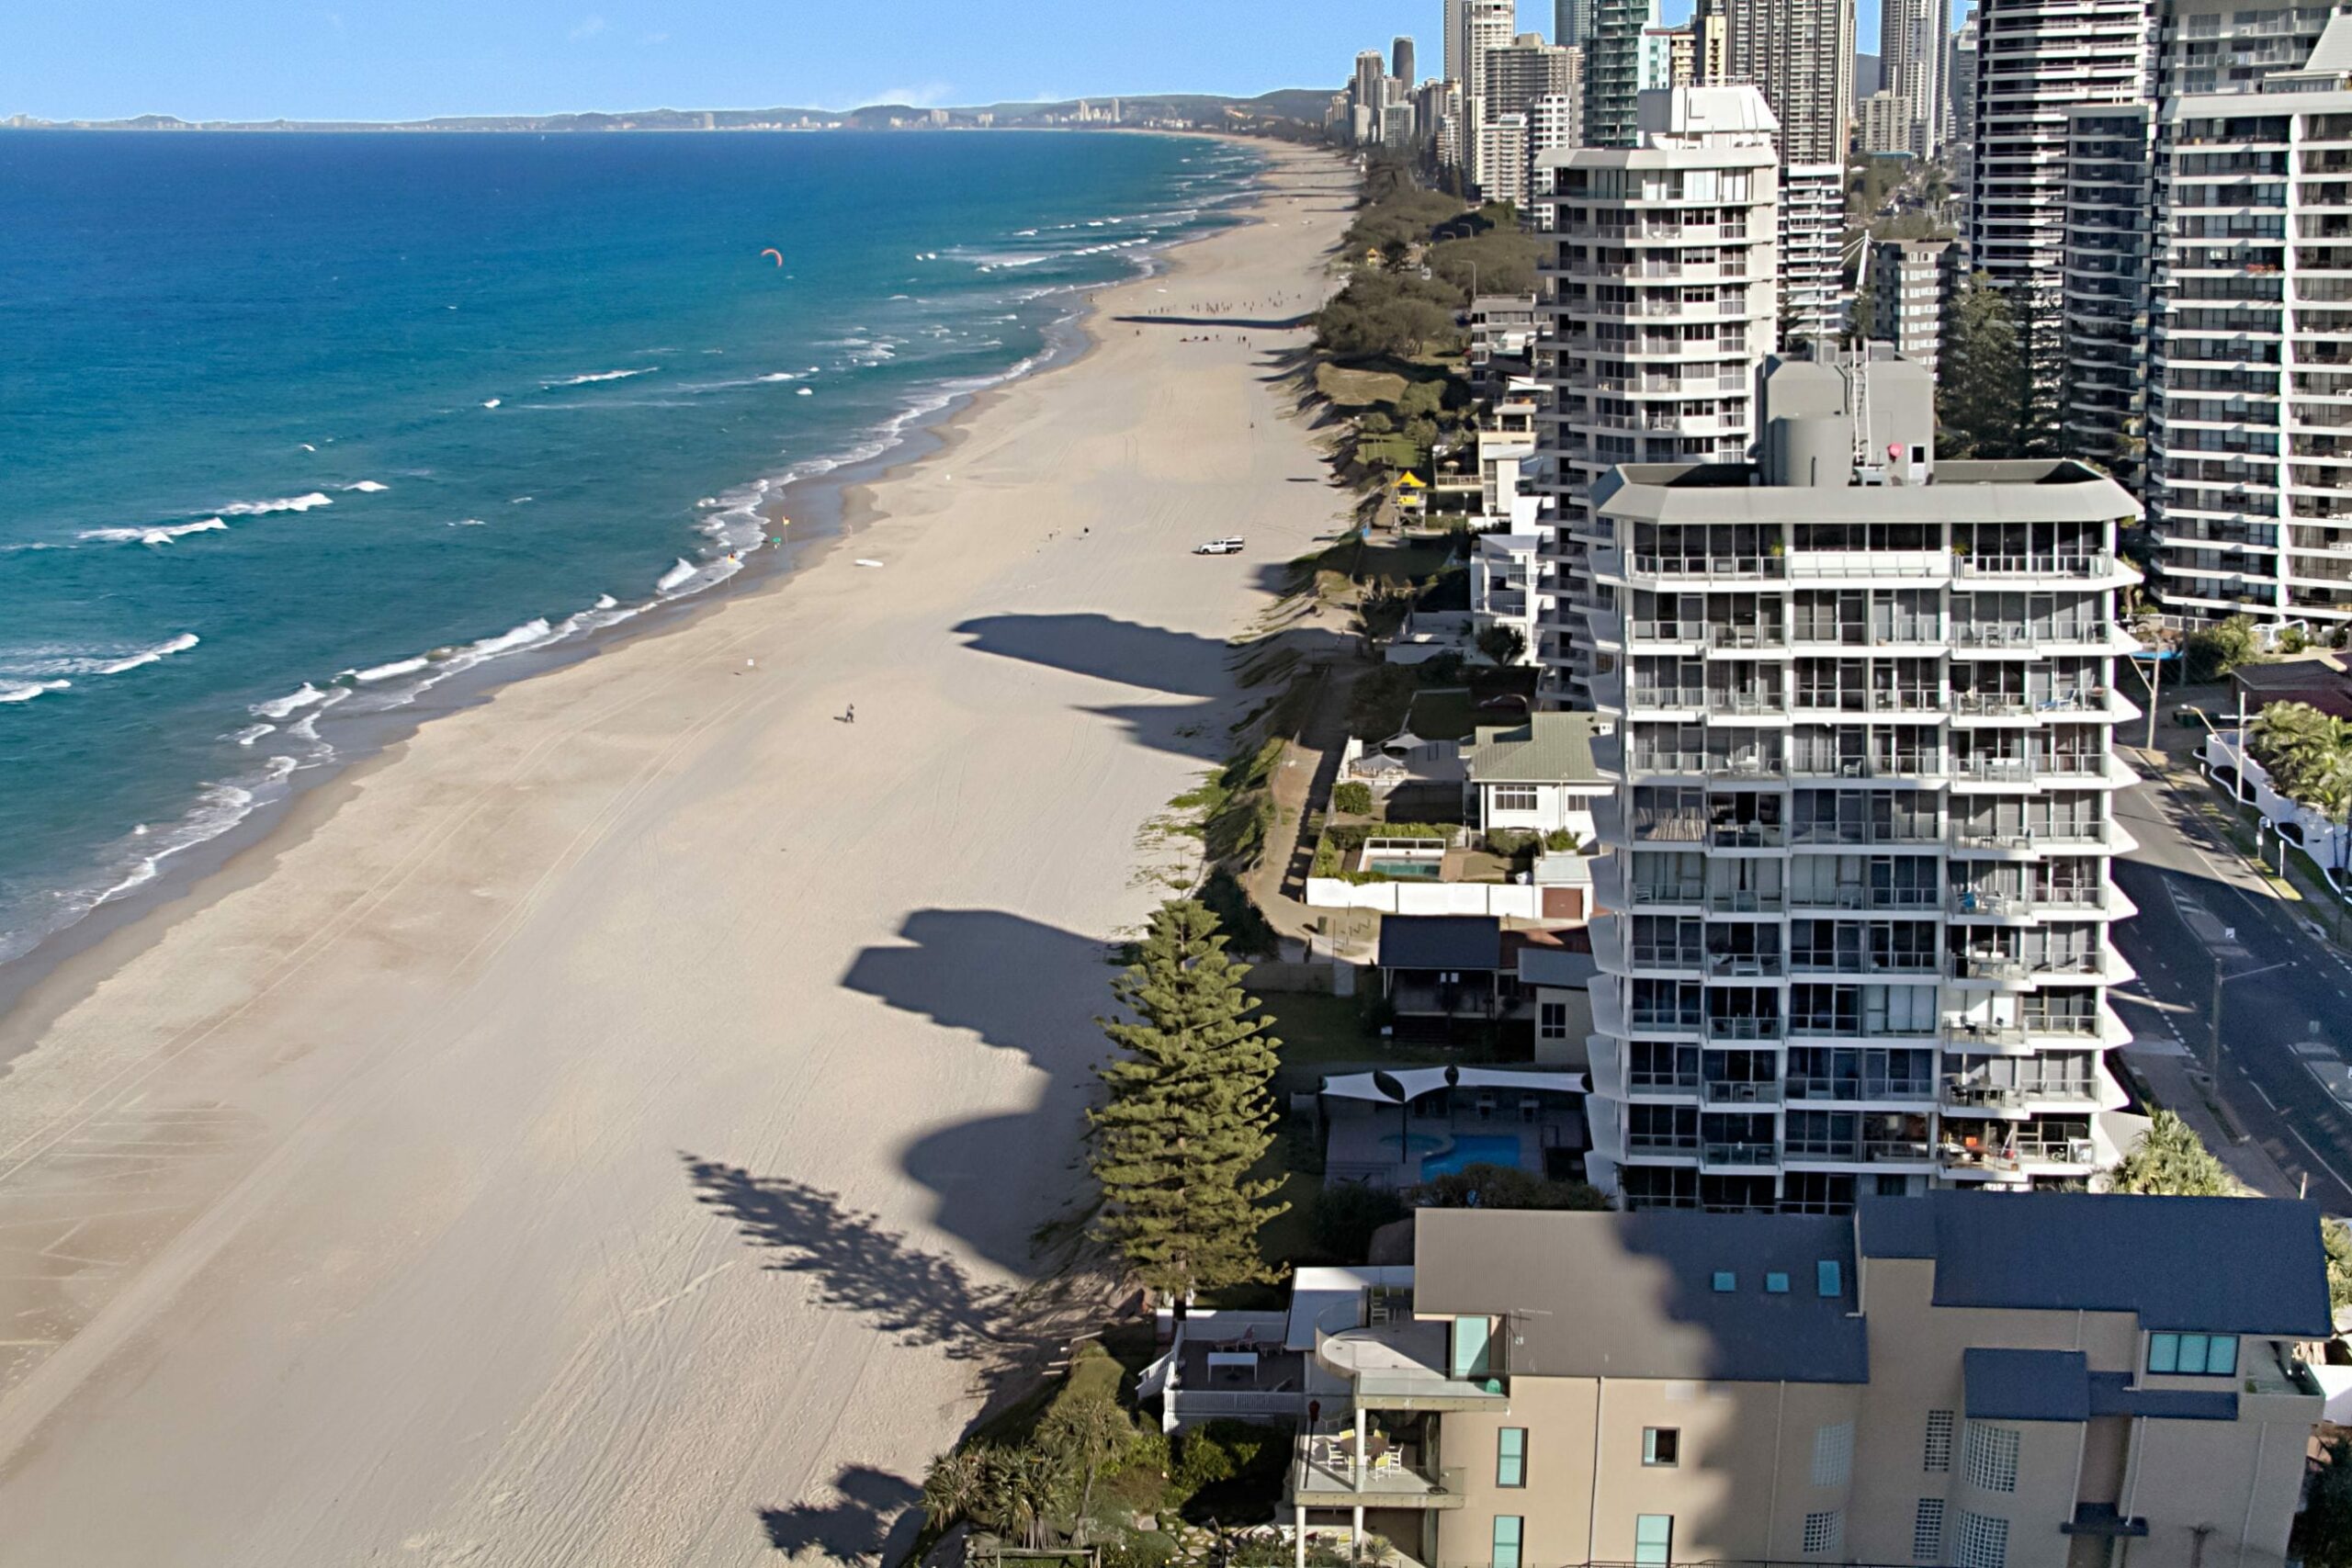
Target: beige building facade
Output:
{"points": [[1955, 1381]]}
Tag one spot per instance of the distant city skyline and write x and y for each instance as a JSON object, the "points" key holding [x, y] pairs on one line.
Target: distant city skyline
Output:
{"points": [[307, 59]]}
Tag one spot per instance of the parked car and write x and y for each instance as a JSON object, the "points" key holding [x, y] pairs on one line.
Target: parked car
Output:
{"points": [[1229, 546]]}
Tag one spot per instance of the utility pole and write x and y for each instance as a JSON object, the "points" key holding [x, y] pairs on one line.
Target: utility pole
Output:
{"points": [[2213, 1047]]}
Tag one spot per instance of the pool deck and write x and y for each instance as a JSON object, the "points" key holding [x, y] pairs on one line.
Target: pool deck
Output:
{"points": [[1357, 1151]]}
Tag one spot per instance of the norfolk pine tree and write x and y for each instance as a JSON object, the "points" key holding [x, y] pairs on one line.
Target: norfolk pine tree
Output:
{"points": [[1188, 1114]]}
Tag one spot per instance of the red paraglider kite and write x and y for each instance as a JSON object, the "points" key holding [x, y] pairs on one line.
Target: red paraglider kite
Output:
{"points": [[778, 255]]}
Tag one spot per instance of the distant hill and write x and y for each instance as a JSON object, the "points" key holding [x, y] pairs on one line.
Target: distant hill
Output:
{"points": [[1205, 110]]}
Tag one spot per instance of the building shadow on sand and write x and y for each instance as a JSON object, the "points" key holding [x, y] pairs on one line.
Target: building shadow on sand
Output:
{"points": [[1151, 659]]}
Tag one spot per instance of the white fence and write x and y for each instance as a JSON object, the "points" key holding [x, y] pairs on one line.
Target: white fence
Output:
{"points": [[1520, 901], [2325, 842]]}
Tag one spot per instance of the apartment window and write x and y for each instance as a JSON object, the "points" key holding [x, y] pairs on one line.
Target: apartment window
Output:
{"points": [[1825, 1532], [1928, 1530], [1507, 1535], [2194, 1354], [1510, 1457], [1833, 1454], [1982, 1541], [1937, 1458], [1992, 1458], [1653, 1540], [1553, 1021], [1514, 798], [1661, 1447]]}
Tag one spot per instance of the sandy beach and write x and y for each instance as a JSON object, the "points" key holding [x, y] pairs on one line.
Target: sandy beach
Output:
{"points": [[606, 1129]]}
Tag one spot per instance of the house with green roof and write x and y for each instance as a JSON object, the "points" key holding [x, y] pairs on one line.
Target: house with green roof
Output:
{"points": [[1537, 775]]}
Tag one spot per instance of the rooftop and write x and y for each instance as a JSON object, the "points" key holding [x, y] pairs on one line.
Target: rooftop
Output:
{"points": [[1549, 748], [1655, 1293], [2022, 490], [1441, 941], [2212, 1265]]}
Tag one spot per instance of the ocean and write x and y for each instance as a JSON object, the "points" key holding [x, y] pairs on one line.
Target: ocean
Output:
{"points": [[296, 428]]}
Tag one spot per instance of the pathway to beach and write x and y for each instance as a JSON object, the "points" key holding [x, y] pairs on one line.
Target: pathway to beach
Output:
{"points": [[601, 1130]]}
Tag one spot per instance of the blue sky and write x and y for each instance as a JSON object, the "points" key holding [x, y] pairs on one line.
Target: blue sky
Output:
{"points": [[407, 59]]}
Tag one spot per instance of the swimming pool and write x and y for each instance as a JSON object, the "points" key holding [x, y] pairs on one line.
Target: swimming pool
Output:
{"points": [[1419, 1143], [1472, 1148], [1407, 870]]}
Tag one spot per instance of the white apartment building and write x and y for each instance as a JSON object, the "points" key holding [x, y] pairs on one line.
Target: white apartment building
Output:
{"points": [[1661, 302], [1554, 124], [1886, 123], [1812, 237], [1800, 53], [2250, 428], [1502, 159], [2036, 59], [1504, 571], [1910, 282], [1857, 859]]}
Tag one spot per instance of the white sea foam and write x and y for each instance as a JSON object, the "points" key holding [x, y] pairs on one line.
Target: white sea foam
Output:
{"points": [[251, 733], [161, 651], [287, 706], [25, 691], [287, 503], [781, 375], [366, 487], [602, 376], [606, 601], [157, 536], [466, 523], [677, 576], [491, 403], [391, 670]]}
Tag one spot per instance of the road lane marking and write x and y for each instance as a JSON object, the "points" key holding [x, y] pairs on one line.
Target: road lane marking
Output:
{"points": [[2321, 1158]]}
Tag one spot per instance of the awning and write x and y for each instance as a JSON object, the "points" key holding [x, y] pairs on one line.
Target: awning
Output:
{"points": [[1407, 1084]]}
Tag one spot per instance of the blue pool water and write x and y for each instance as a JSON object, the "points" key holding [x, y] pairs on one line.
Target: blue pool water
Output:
{"points": [[1419, 1143], [1472, 1148], [295, 426]]}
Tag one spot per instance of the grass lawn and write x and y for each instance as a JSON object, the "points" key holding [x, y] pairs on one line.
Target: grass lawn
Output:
{"points": [[1390, 452], [1447, 714], [1358, 389], [1318, 1031], [1402, 562]]}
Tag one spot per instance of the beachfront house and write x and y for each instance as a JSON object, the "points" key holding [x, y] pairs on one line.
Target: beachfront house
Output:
{"points": [[1534, 776], [1403, 1126], [1444, 967]]}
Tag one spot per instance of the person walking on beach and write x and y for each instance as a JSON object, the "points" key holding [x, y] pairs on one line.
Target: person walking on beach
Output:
{"points": [[850, 716]]}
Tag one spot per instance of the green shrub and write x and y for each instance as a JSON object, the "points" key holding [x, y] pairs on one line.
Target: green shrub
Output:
{"points": [[1499, 1186], [1560, 842], [1353, 797], [1510, 843], [1346, 1216], [1128, 1549]]}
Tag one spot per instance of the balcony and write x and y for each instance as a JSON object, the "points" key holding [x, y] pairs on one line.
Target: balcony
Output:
{"points": [[1858, 1090], [1730, 1091], [1965, 1095], [2020, 1156], [1403, 1366], [1326, 1474], [2089, 565], [1736, 1157], [1861, 1151]]}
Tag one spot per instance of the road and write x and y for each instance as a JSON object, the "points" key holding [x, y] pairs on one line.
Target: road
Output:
{"points": [[2286, 997]]}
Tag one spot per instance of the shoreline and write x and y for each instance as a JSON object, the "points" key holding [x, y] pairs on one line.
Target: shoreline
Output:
{"points": [[826, 509], [615, 1119]]}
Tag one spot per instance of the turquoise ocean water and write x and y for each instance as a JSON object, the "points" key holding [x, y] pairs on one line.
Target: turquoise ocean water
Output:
{"points": [[294, 428]]}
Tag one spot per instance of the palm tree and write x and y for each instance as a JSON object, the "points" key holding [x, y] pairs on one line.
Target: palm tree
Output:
{"points": [[2308, 754], [953, 1489], [2171, 1159]]}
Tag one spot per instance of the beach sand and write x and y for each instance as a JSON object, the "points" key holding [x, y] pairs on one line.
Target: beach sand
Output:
{"points": [[602, 1130]]}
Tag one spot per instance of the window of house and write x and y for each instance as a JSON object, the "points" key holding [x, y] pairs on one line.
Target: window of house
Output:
{"points": [[1833, 1454], [1992, 1458], [1510, 1457], [1825, 1532], [1928, 1530], [1937, 1461], [2193, 1355], [1653, 1540], [1551, 1022], [1661, 1446], [1982, 1541], [1514, 798], [1507, 1527]]}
